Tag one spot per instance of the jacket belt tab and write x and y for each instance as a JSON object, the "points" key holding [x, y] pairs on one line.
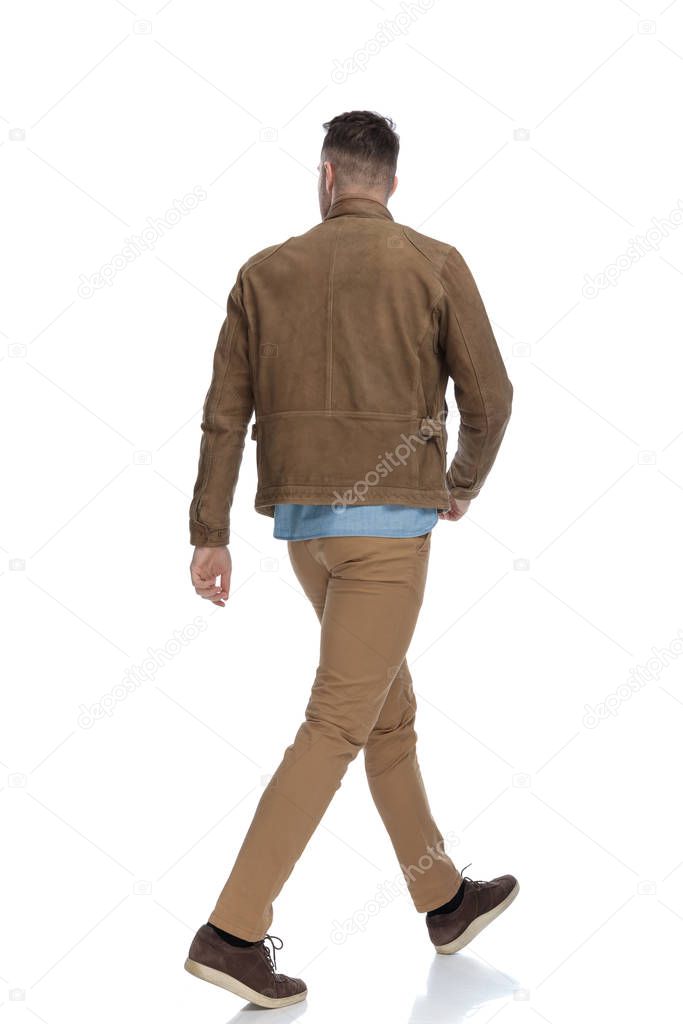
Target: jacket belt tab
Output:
{"points": [[429, 427]]}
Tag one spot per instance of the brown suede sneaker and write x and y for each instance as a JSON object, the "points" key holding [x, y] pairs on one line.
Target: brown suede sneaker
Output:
{"points": [[247, 971], [482, 902]]}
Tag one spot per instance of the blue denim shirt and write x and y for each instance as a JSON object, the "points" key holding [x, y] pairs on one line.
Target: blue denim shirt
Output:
{"points": [[304, 522]]}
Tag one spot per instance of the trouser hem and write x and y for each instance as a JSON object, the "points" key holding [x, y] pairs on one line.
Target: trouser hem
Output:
{"points": [[236, 927], [425, 905]]}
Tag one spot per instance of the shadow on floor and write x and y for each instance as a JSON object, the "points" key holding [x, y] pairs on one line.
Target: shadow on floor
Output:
{"points": [[457, 986]]}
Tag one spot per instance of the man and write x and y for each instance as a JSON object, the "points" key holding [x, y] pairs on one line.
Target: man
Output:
{"points": [[342, 340]]}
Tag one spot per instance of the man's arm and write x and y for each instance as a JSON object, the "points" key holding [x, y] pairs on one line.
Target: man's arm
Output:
{"points": [[227, 410], [483, 390]]}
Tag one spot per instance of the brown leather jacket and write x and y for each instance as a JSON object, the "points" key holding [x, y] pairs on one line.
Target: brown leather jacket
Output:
{"points": [[342, 340]]}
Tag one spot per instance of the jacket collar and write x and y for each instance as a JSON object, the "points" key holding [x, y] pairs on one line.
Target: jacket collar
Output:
{"points": [[351, 203]]}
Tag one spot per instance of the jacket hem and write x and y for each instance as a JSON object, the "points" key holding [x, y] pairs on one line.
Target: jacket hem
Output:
{"points": [[305, 494]]}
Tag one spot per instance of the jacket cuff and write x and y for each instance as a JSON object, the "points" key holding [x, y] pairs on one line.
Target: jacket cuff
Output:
{"points": [[204, 537], [463, 493]]}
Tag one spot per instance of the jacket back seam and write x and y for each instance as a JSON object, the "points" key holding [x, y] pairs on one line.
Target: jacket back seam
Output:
{"points": [[330, 304]]}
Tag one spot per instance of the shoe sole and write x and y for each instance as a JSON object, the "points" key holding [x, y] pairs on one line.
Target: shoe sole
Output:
{"points": [[238, 988], [479, 924]]}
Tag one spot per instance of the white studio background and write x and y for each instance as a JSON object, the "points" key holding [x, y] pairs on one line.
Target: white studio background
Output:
{"points": [[542, 139]]}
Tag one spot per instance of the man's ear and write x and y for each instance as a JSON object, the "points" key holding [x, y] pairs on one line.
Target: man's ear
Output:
{"points": [[329, 176], [393, 187]]}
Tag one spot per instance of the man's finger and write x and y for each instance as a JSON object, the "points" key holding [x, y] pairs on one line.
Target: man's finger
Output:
{"points": [[198, 578], [206, 588], [204, 581]]}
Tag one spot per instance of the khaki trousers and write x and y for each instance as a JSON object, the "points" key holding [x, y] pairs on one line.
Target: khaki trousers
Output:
{"points": [[367, 593]]}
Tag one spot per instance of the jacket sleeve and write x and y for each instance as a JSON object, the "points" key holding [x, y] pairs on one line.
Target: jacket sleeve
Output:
{"points": [[483, 391], [228, 407]]}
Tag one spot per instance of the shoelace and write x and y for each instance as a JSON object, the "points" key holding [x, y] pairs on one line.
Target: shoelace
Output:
{"points": [[474, 881], [271, 956]]}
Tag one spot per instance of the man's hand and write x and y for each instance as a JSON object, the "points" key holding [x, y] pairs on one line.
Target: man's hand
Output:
{"points": [[457, 510], [207, 564]]}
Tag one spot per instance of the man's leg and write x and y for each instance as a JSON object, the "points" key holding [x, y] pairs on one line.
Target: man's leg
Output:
{"points": [[394, 775], [371, 603], [397, 788]]}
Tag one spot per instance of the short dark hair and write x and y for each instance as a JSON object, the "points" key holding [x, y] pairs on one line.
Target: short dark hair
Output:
{"points": [[363, 146]]}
